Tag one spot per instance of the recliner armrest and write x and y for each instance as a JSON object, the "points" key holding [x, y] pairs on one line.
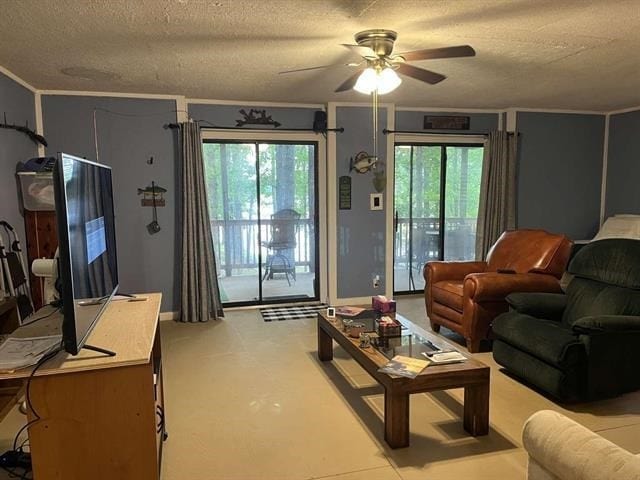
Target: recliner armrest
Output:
{"points": [[549, 306], [607, 323], [496, 286], [439, 271]]}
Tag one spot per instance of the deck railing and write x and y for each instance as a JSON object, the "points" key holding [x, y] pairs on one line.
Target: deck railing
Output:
{"points": [[459, 240], [237, 244]]}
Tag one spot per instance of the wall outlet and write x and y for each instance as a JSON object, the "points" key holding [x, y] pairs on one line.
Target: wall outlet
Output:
{"points": [[376, 281]]}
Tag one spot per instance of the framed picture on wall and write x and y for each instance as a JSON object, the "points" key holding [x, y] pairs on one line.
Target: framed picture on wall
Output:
{"points": [[446, 122]]}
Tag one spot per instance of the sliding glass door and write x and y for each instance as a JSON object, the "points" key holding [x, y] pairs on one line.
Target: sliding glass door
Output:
{"points": [[262, 204], [437, 190]]}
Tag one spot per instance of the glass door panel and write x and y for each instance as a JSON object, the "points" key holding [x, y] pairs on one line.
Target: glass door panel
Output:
{"points": [[230, 172], [437, 192], [288, 213], [262, 205], [464, 171], [417, 216]]}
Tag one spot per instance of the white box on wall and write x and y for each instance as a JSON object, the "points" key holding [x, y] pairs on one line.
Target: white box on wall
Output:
{"points": [[375, 201]]}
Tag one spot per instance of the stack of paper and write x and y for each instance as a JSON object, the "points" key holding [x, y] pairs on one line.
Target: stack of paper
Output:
{"points": [[17, 353]]}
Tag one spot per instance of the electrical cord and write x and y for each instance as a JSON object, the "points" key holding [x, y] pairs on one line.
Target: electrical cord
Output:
{"points": [[24, 444], [138, 115], [123, 114], [13, 474], [30, 406]]}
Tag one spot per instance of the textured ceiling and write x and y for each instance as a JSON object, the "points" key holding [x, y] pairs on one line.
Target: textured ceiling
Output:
{"points": [[561, 54]]}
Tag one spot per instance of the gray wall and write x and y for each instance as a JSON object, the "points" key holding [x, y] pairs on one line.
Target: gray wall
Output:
{"points": [[18, 104], [226, 115], [478, 122], [126, 140], [623, 164], [559, 161], [560, 172], [361, 232]]}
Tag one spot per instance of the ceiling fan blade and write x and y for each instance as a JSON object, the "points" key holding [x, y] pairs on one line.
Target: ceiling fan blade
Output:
{"points": [[433, 53], [349, 82], [332, 65], [420, 74], [317, 68], [361, 50]]}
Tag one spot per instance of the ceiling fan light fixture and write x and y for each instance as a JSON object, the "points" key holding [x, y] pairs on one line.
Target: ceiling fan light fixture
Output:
{"points": [[367, 81], [388, 81], [383, 81]]}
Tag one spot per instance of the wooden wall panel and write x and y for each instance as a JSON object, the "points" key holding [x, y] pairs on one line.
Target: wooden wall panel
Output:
{"points": [[41, 242]]}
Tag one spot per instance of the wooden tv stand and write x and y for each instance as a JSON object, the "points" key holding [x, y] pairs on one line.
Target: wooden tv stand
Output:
{"points": [[101, 417]]}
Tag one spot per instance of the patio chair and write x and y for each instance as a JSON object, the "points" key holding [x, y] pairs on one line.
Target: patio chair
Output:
{"points": [[284, 226]]}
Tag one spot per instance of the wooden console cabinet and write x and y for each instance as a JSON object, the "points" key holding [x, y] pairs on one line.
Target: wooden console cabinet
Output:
{"points": [[101, 417]]}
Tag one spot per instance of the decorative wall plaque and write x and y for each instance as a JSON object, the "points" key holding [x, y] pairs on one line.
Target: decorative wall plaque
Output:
{"points": [[256, 117], [344, 192], [445, 122], [152, 196]]}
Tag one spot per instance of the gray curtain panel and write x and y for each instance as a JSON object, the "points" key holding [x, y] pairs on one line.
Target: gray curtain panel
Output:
{"points": [[497, 209], [200, 294]]}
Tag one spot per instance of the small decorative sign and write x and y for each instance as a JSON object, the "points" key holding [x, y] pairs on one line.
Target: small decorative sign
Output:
{"points": [[445, 122], [345, 192], [152, 196]]}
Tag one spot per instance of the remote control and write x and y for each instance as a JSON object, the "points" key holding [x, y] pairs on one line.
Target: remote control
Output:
{"points": [[137, 299]]}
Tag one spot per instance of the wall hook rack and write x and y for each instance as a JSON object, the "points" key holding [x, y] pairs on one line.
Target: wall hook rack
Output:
{"points": [[26, 130]]}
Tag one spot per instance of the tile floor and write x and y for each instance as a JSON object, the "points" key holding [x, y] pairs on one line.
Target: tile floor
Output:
{"points": [[249, 399]]}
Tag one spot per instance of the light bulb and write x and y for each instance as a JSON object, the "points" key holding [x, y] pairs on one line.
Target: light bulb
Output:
{"points": [[367, 81], [388, 80]]}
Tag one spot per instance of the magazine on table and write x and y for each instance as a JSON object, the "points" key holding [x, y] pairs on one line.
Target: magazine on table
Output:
{"points": [[404, 366], [349, 311]]}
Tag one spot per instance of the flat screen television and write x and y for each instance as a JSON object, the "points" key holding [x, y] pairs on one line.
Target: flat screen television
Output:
{"points": [[88, 269]]}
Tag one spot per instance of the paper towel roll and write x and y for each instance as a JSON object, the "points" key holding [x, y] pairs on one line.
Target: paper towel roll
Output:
{"points": [[43, 267]]}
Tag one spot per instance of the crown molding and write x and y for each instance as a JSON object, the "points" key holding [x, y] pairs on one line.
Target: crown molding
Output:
{"points": [[253, 103], [624, 110], [17, 79]]}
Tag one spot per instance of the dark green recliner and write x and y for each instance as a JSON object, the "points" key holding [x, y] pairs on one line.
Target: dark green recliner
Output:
{"points": [[585, 344]]}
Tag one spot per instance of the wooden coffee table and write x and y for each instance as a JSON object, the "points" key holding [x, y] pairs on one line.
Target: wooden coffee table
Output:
{"points": [[471, 375]]}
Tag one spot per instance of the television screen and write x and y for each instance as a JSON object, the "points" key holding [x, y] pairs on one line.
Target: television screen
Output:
{"points": [[87, 243]]}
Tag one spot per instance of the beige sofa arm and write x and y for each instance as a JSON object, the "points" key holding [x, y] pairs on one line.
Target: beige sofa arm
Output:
{"points": [[560, 448]]}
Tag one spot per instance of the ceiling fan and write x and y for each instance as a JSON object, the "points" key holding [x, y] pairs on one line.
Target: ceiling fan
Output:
{"points": [[378, 68]]}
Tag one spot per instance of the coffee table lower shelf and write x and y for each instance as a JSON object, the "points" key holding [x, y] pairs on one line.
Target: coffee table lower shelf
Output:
{"points": [[471, 375]]}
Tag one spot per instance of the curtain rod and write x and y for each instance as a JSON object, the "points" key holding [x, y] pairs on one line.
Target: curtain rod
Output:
{"points": [[451, 132], [324, 130]]}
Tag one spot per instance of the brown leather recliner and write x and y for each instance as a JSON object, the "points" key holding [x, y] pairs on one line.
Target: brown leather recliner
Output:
{"points": [[466, 296]]}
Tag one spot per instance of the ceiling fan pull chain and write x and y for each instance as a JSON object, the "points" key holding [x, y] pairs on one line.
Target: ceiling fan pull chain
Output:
{"points": [[375, 123]]}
